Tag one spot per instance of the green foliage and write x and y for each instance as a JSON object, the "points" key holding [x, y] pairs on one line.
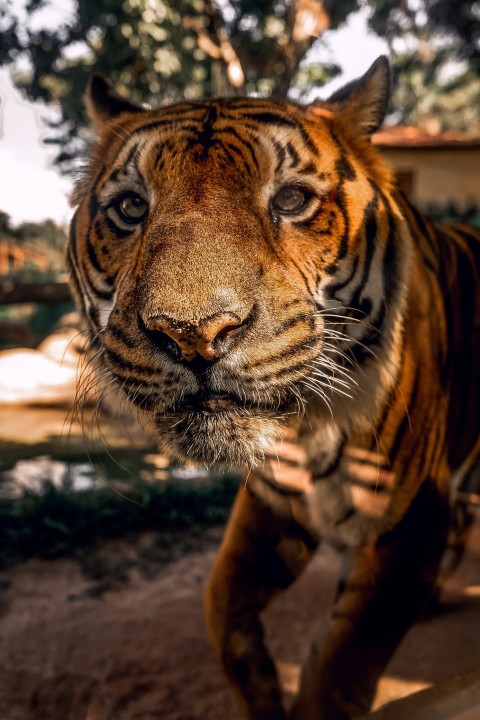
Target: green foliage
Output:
{"points": [[45, 317], [5, 224], [435, 50], [449, 20], [45, 232], [63, 523]]}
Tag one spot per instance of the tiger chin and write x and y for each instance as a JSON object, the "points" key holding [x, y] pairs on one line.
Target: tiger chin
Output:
{"points": [[250, 274]]}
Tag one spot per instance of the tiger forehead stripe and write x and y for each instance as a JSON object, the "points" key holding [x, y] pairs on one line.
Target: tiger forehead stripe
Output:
{"points": [[213, 128], [281, 119], [127, 160], [126, 176], [217, 112], [175, 118]]}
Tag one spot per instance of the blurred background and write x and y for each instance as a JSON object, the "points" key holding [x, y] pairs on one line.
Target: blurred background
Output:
{"points": [[70, 482]]}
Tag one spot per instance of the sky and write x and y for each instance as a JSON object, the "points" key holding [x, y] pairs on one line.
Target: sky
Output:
{"points": [[31, 189]]}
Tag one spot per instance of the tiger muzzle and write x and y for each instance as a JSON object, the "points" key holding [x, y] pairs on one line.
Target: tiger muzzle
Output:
{"points": [[210, 338]]}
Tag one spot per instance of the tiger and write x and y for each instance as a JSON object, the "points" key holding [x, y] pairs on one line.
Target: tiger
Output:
{"points": [[256, 285]]}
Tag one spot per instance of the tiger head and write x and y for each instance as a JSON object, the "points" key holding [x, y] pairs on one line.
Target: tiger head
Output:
{"points": [[238, 264]]}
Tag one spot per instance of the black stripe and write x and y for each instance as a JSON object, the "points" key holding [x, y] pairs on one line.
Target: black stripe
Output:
{"points": [[310, 290], [344, 168], [204, 138], [295, 157], [364, 305], [238, 155], [343, 242], [119, 334], [93, 206], [405, 423], [243, 142], [281, 155], [278, 487], [473, 242], [288, 352], [124, 364], [296, 320], [391, 279], [447, 264], [155, 124], [276, 375], [310, 219], [131, 153], [72, 237], [465, 373], [340, 285], [424, 229], [119, 232], [92, 315], [93, 257], [271, 118], [108, 279], [308, 169], [388, 401], [100, 294], [160, 159]]}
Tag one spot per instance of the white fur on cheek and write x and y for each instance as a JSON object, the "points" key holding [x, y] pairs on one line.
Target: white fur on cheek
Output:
{"points": [[104, 310]]}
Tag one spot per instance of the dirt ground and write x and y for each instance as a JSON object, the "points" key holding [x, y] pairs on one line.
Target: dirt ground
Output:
{"points": [[118, 634]]}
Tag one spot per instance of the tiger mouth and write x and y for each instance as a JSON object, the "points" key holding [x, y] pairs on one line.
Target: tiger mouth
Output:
{"points": [[216, 402], [209, 402]]}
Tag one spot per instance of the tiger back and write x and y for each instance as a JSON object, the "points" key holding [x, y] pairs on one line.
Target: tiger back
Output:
{"points": [[256, 285]]}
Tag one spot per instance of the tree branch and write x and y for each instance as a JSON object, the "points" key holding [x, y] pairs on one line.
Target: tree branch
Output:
{"points": [[306, 20], [224, 50], [49, 293]]}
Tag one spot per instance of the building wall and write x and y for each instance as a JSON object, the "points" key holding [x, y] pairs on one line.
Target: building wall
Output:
{"points": [[439, 175]]}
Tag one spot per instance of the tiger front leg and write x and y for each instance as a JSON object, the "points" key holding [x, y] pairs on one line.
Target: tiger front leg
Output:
{"points": [[382, 596], [257, 558]]}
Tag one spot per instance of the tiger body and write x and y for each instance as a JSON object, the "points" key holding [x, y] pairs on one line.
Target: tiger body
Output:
{"points": [[255, 284]]}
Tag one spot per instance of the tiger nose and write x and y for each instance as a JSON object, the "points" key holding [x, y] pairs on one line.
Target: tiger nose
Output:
{"points": [[210, 338]]}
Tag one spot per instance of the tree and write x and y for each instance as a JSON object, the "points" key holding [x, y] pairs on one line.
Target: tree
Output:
{"points": [[435, 47], [5, 224], [47, 234]]}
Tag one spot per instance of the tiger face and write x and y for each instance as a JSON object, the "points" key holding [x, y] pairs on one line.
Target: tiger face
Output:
{"points": [[234, 259]]}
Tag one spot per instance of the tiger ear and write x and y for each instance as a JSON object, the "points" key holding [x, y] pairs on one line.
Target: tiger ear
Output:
{"points": [[104, 104], [366, 99]]}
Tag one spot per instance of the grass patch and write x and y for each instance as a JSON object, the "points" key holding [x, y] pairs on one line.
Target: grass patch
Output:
{"points": [[57, 522]]}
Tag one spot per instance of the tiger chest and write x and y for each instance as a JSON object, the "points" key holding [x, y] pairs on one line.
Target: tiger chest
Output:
{"points": [[343, 497]]}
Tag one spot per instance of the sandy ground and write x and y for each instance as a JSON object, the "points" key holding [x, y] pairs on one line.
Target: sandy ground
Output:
{"points": [[118, 634]]}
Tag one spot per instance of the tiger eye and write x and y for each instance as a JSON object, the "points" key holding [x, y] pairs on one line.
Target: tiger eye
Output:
{"points": [[132, 208], [290, 199]]}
